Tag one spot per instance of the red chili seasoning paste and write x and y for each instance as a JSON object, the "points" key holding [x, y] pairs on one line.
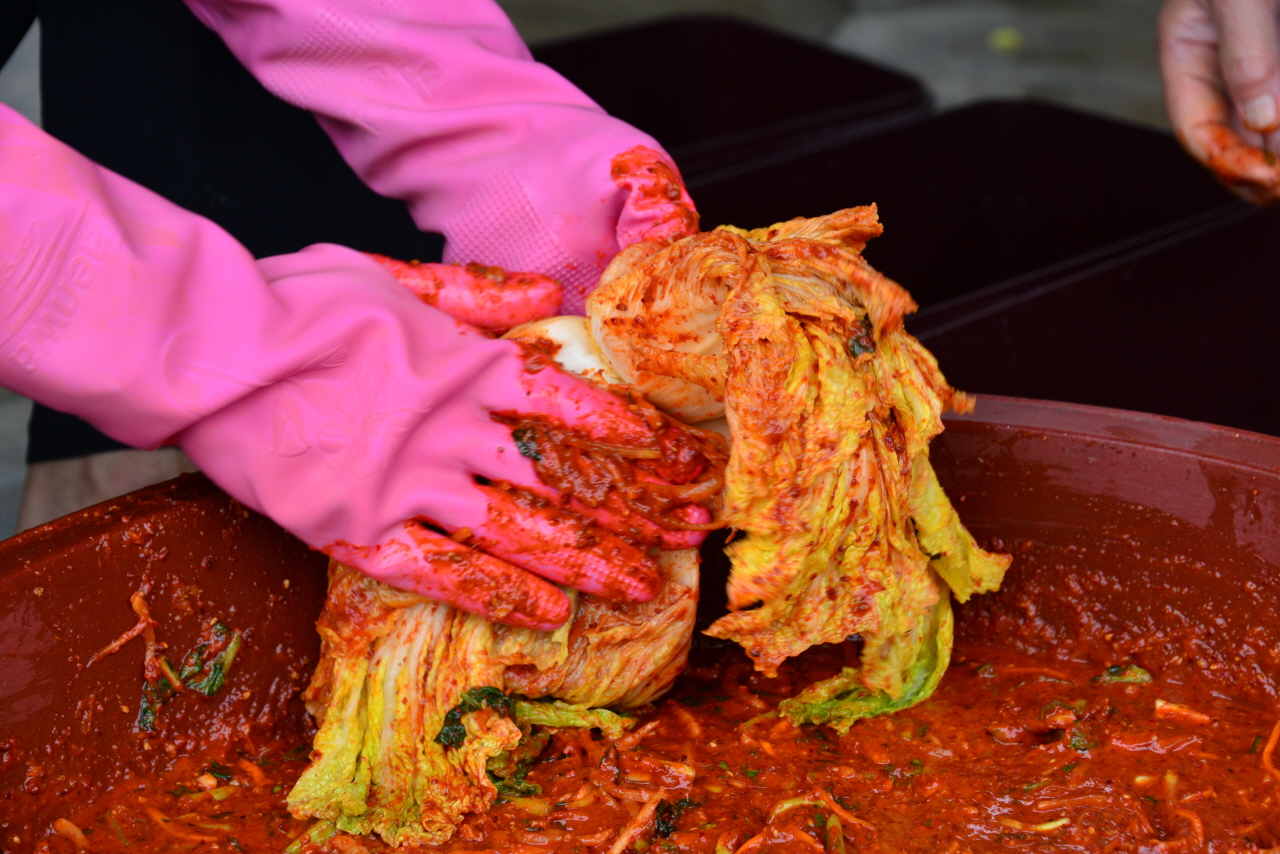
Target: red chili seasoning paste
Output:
{"points": [[1011, 752]]}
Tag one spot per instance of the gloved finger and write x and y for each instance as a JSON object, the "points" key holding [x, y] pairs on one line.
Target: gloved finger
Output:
{"points": [[590, 475], [631, 526], [1250, 60], [599, 415], [1198, 107], [650, 502], [487, 297], [419, 559], [536, 535], [616, 517], [658, 206], [1247, 170]]}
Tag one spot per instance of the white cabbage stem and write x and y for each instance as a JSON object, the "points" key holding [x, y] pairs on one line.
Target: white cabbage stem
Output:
{"points": [[570, 342]]}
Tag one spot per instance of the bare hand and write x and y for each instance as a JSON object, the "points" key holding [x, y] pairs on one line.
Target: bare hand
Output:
{"points": [[1221, 67]]}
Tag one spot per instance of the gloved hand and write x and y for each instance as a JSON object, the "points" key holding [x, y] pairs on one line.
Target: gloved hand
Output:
{"points": [[1221, 65], [313, 388], [441, 105]]}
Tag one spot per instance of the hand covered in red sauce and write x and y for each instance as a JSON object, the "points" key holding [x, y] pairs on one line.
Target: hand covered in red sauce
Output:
{"points": [[586, 481], [518, 473], [1221, 65], [589, 479]]}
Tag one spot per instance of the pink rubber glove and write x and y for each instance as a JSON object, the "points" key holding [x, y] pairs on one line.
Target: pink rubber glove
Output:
{"points": [[1221, 65], [441, 105], [312, 387]]}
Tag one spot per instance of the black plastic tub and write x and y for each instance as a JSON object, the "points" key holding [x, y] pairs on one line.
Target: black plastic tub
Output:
{"points": [[984, 194], [716, 90], [1183, 327]]}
